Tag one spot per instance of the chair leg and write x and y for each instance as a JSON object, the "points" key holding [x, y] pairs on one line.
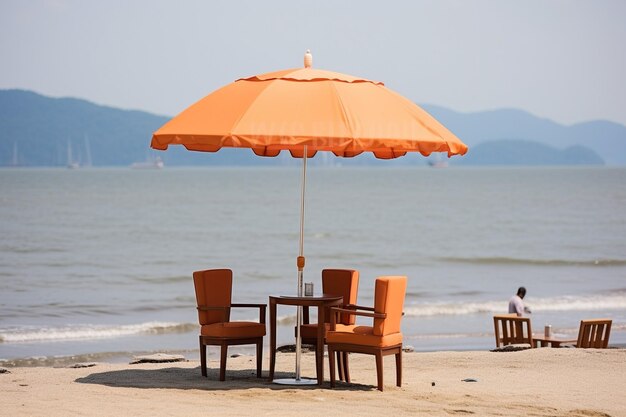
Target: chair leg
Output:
{"points": [[317, 360], [331, 363], [340, 366], [399, 368], [346, 368], [379, 369], [202, 358], [224, 354], [259, 357]]}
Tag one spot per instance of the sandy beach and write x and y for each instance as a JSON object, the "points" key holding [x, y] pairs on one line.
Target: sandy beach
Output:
{"points": [[537, 382]]}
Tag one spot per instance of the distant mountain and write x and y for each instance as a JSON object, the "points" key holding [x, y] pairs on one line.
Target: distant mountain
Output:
{"points": [[606, 139], [37, 131], [41, 131], [527, 153]]}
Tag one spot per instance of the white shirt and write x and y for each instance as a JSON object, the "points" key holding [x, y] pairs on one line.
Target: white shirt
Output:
{"points": [[516, 305]]}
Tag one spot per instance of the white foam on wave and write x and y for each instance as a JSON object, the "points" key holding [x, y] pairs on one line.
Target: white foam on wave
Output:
{"points": [[286, 320], [565, 303], [25, 334]]}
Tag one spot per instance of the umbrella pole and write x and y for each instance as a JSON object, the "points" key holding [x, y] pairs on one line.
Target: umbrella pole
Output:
{"points": [[300, 267], [297, 380]]}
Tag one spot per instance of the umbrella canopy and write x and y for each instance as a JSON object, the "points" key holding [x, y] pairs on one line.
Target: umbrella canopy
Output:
{"points": [[322, 110]]}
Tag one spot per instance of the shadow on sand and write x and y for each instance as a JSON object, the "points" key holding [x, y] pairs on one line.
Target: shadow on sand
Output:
{"points": [[190, 378]]}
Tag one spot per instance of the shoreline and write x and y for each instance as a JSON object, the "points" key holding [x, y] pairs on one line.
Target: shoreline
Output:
{"points": [[192, 354], [541, 382]]}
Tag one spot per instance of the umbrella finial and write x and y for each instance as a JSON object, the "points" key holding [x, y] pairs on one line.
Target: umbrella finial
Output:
{"points": [[308, 59]]}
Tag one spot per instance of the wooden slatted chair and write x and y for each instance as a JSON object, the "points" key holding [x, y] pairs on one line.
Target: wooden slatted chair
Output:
{"points": [[512, 330], [594, 333], [213, 295]]}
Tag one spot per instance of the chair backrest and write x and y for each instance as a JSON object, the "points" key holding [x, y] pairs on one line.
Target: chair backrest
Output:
{"points": [[594, 333], [213, 289], [344, 282], [511, 329], [389, 299]]}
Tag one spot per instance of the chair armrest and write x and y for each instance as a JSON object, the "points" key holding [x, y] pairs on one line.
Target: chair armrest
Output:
{"points": [[359, 313], [262, 308], [358, 307], [248, 305], [335, 311], [211, 308]]}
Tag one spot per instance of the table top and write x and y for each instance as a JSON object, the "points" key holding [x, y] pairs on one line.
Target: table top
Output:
{"points": [[323, 297], [552, 339], [315, 299]]}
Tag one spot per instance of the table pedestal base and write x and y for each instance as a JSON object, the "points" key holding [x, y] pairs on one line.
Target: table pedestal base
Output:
{"points": [[293, 381]]}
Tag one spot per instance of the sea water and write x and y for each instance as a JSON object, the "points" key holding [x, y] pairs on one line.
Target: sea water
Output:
{"points": [[96, 263]]}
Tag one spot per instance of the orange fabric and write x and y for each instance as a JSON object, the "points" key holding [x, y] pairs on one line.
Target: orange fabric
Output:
{"points": [[362, 335], [389, 298], [213, 289], [326, 111], [344, 282], [309, 331], [234, 329]]}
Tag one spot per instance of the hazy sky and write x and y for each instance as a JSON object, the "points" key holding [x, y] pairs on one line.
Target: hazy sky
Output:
{"points": [[563, 60]]}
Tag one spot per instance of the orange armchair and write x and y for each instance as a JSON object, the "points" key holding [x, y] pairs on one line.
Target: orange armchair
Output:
{"points": [[382, 338], [344, 282], [213, 295]]}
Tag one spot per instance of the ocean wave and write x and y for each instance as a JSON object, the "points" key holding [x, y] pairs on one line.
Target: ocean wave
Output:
{"points": [[564, 303], [452, 309], [90, 331], [321, 235], [345, 255], [165, 280], [95, 357], [30, 249], [286, 320], [503, 260]]}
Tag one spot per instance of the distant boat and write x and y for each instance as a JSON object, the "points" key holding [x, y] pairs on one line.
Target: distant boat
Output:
{"points": [[71, 164], [438, 164], [155, 163], [437, 161]]}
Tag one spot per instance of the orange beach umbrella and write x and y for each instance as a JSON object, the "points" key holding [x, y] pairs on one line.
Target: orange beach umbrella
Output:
{"points": [[322, 110], [303, 111]]}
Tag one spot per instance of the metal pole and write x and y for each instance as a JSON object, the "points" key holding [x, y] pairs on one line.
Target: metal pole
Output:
{"points": [[297, 380], [300, 267]]}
